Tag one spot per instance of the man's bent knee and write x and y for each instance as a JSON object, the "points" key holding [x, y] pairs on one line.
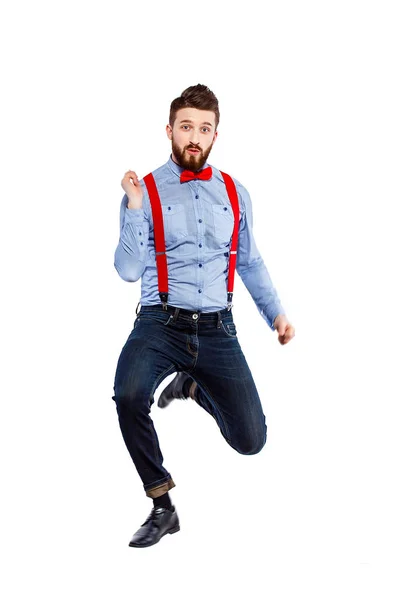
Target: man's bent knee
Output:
{"points": [[250, 446], [134, 403]]}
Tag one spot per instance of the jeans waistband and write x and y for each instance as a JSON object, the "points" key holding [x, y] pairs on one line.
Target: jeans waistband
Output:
{"points": [[184, 312]]}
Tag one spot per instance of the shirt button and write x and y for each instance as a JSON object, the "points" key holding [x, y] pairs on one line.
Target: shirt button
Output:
{"points": [[199, 220], [139, 232], [168, 207], [197, 197], [199, 291], [200, 265], [226, 253], [225, 208], [200, 245], [141, 243]]}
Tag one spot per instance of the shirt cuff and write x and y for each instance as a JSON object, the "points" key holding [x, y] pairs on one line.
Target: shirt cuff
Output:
{"points": [[271, 317]]}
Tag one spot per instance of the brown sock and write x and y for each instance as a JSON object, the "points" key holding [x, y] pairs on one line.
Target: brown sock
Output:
{"points": [[189, 388], [193, 390]]}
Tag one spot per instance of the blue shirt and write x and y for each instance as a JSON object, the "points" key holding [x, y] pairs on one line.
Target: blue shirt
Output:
{"points": [[198, 223]]}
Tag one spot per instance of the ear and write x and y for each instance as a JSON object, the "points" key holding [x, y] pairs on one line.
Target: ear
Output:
{"points": [[169, 131], [215, 136]]}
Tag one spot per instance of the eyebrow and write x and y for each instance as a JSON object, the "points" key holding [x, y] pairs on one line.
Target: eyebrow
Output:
{"points": [[190, 121]]}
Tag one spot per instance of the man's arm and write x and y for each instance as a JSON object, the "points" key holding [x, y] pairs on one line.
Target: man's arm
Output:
{"points": [[131, 252], [251, 268]]}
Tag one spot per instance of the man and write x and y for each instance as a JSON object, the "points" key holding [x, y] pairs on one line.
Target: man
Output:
{"points": [[191, 331]]}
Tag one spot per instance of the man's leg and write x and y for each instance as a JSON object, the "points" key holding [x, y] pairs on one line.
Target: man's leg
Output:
{"points": [[226, 389], [142, 366]]}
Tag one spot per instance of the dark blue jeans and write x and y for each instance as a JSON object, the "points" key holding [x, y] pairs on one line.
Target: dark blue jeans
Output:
{"points": [[203, 345]]}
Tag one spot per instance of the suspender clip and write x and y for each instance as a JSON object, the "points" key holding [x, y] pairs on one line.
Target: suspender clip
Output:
{"points": [[164, 299], [229, 300]]}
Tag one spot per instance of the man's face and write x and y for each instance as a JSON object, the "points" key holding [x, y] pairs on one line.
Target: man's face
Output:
{"points": [[192, 137]]}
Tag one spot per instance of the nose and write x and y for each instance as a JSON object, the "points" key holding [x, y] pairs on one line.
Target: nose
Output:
{"points": [[194, 138]]}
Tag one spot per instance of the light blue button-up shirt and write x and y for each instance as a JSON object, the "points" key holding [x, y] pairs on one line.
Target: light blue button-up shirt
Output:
{"points": [[198, 223]]}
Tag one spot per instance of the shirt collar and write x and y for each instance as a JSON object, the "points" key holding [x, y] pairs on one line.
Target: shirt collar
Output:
{"points": [[177, 169]]}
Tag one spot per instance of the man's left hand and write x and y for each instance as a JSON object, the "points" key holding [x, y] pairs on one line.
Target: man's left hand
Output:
{"points": [[284, 329]]}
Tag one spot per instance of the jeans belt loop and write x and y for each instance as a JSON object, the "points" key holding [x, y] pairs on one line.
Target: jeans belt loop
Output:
{"points": [[176, 314], [219, 319]]}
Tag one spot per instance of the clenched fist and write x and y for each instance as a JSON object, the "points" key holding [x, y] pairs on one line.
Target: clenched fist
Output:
{"points": [[130, 183], [284, 329]]}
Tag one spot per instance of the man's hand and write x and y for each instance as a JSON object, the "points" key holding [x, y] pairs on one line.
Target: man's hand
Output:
{"points": [[284, 329], [131, 186]]}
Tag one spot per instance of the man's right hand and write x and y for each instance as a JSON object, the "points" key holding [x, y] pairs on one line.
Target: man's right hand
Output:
{"points": [[133, 190]]}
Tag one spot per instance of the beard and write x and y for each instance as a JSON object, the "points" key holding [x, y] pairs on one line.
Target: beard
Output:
{"points": [[190, 161]]}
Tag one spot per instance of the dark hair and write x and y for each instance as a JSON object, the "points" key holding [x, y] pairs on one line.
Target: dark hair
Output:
{"points": [[196, 96]]}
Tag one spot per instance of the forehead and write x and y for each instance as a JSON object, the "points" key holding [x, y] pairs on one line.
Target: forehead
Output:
{"points": [[198, 117]]}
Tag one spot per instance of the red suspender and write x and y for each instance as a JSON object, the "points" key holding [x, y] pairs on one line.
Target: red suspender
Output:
{"points": [[232, 193], [159, 237]]}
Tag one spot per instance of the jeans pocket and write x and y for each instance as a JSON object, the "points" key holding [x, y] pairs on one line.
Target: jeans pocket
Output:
{"points": [[155, 318], [229, 328]]}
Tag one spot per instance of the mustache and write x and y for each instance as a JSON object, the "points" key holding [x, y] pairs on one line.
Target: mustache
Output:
{"points": [[193, 148]]}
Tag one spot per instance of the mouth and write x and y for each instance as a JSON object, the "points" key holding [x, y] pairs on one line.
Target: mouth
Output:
{"points": [[192, 151]]}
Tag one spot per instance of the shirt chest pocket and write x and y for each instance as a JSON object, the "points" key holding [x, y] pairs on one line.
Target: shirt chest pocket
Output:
{"points": [[174, 222], [223, 222]]}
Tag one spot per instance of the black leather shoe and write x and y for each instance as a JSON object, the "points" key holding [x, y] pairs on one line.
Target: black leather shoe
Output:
{"points": [[159, 522], [173, 390]]}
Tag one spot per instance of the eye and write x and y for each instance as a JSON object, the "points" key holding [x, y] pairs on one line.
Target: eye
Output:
{"points": [[184, 125]]}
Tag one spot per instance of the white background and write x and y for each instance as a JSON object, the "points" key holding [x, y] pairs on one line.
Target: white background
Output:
{"points": [[308, 94]]}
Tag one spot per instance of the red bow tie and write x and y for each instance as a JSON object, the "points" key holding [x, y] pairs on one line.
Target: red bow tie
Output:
{"points": [[188, 175]]}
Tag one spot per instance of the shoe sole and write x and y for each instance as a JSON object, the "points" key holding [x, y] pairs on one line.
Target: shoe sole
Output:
{"points": [[173, 530]]}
